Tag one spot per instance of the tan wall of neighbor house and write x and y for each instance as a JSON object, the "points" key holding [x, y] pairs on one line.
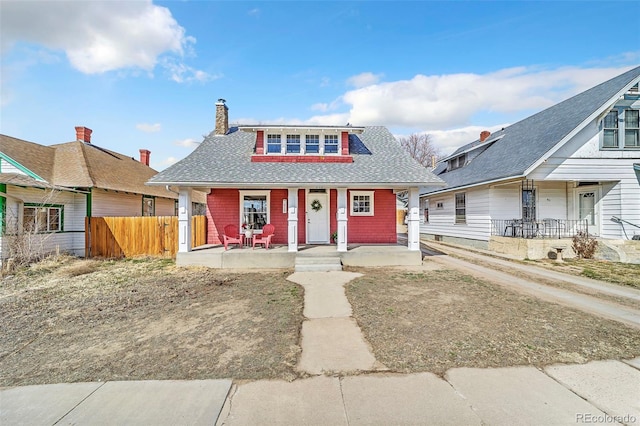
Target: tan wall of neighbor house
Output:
{"points": [[114, 203]]}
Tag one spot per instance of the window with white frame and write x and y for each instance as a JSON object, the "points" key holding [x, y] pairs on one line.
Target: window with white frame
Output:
{"points": [[330, 144], [461, 207], [37, 218], [274, 144], [293, 144], [631, 128], [312, 144], [361, 203], [621, 129], [254, 208]]}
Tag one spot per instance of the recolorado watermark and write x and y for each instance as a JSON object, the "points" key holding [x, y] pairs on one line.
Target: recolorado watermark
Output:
{"points": [[605, 418]]}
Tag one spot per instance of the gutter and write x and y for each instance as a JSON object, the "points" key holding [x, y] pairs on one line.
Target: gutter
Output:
{"points": [[330, 185]]}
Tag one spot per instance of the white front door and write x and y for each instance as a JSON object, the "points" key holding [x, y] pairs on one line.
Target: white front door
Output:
{"points": [[317, 217], [587, 209]]}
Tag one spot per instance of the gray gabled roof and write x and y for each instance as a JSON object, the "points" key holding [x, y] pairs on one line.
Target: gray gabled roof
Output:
{"points": [[526, 142], [225, 161]]}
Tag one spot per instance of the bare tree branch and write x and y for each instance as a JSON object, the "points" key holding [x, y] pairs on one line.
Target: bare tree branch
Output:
{"points": [[420, 147]]}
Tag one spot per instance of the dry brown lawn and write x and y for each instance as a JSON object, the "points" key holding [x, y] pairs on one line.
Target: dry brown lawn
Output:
{"points": [[82, 320], [437, 320], [627, 274]]}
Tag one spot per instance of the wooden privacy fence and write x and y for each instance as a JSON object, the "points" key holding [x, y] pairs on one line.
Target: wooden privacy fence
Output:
{"points": [[138, 236]]}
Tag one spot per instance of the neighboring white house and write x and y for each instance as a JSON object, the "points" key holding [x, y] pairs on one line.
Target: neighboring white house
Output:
{"points": [[51, 189], [566, 169]]}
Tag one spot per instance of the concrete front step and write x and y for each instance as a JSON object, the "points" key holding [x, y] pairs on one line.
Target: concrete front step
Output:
{"points": [[318, 264]]}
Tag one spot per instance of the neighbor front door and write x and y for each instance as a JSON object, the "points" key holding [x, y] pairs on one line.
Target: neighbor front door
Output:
{"points": [[587, 209], [317, 217]]}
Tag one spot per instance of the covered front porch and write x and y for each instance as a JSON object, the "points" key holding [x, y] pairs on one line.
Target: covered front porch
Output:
{"points": [[279, 256]]}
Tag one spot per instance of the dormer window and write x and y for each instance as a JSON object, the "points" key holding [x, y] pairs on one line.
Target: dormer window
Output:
{"points": [[331, 144], [312, 144], [293, 144], [457, 162], [274, 144]]}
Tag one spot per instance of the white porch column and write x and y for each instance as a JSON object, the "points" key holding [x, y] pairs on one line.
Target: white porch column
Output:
{"points": [[413, 220], [292, 219], [341, 216], [184, 220]]}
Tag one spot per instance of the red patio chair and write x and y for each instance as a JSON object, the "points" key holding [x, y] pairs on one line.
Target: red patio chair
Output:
{"points": [[267, 232], [232, 236]]}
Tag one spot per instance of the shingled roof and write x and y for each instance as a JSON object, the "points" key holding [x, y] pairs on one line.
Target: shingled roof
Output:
{"points": [[225, 161], [82, 165], [511, 152]]}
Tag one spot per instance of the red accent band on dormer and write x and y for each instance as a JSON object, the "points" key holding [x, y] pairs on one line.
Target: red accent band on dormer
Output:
{"points": [[301, 159], [345, 143], [260, 142]]}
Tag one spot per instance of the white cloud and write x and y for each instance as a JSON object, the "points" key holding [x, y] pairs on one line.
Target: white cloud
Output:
{"points": [[450, 140], [364, 79], [187, 143], [254, 12], [182, 73], [447, 101], [97, 36], [149, 128]]}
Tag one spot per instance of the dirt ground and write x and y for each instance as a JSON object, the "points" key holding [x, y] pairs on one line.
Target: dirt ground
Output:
{"points": [[437, 320], [83, 320], [72, 320]]}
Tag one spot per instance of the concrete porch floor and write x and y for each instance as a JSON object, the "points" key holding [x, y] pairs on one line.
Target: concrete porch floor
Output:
{"points": [[279, 257]]}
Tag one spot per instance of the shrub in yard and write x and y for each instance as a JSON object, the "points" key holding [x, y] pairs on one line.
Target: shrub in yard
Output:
{"points": [[584, 245]]}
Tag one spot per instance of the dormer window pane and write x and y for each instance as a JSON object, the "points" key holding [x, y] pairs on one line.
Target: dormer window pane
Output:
{"points": [[331, 144], [312, 144], [293, 144], [274, 145]]}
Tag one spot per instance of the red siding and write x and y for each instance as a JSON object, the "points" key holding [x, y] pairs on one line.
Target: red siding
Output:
{"points": [[260, 142], [223, 208], [379, 229]]}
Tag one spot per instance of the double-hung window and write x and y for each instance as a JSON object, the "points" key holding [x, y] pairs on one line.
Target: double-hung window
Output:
{"points": [[312, 144], [631, 128], [610, 130], [42, 218], [293, 144], [274, 144], [461, 208], [331, 144]]}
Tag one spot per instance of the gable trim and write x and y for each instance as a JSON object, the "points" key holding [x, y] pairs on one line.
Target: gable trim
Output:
{"points": [[20, 167], [581, 126]]}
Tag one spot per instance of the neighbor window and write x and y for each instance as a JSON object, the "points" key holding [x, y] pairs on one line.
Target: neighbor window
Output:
{"points": [[254, 206], [631, 128], [148, 206], [331, 144], [274, 144], [529, 204], [312, 144], [42, 218], [621, 129], [361, 203], [461, 208], [610, 131], [293, 144]]}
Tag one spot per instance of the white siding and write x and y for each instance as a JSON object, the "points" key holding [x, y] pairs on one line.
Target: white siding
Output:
{"points": [[7, 167], [71, 239], [505, 201], [442, 221]]}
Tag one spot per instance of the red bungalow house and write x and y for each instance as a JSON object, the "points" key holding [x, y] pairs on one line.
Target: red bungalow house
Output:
{"points": [[308, 181]]}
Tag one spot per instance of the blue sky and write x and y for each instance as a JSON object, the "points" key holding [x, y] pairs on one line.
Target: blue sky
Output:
{"points": [[146, 74]]}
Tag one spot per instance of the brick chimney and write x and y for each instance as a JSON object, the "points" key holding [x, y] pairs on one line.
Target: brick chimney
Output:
{"points": [[222, 118], [484, 135], [144, 156], [83, 134]]}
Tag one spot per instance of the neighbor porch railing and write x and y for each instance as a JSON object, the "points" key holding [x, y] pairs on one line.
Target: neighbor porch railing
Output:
{"points": [[544, 228]]}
